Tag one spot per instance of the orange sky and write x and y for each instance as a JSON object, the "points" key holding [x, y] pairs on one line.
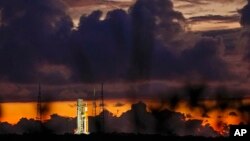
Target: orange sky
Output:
{"points": [[12, 112]]}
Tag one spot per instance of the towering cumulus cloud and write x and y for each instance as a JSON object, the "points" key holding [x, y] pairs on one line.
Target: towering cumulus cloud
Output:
{"points": [[245, 22], [156, 29], [32, 33], [148, 42], [151, 20], [38, 42], [245, 15]]}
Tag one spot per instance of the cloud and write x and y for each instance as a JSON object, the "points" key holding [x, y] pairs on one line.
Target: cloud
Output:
{"points": [[167, 65], [207, 50], [40, 34], [61, 125], [205, 115], [29, 36], [195, 96], [245, 33], [154, 55], [14, 91], [136, 120], [119, 104], [114, 3], [204, 2], [146, 43], [7, 128], [217, 18], [233, 114], [50, 50], [56, 125], [124, 40], [76, 3], [53, 73], [245, 12]]}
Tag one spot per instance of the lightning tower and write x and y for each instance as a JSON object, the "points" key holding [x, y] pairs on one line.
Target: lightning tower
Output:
{"points": [[94, 104], [102, 106], [39, 104]]}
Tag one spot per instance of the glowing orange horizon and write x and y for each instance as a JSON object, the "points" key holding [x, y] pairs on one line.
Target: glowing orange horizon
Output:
{"points": [[12, 112]]}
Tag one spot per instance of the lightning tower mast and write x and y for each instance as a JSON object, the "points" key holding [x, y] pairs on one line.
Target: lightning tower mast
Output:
{"points": [[39, 104], [102, 105], [94, 104]]}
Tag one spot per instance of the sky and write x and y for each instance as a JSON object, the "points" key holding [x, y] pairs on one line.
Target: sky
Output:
{"points": [[201, 15], [180, 52]]}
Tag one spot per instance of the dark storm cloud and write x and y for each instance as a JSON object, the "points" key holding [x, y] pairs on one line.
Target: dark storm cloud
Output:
{"points": [[154, 41], [151, 20], [23, 126], [6, 128], [56, 125], [229, 39], [37, 33], [222, 33], [217, 18], [38, 43], [106, 43], [32, 32], [61, 125], [245, 34], [82, 3], [209, 66], [76, 3], [245, 15]]}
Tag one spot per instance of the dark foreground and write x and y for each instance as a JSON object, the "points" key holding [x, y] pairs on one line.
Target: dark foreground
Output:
{"points": [[109, 137]]}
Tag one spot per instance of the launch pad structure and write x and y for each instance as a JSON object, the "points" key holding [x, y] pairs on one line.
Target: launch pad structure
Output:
{"points": [[82, 117]]}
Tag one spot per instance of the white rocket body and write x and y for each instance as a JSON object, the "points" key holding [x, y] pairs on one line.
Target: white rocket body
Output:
{"points": [[82, 117]]}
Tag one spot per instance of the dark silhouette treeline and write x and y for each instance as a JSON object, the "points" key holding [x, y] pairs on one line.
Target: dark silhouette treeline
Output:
{"points": [[112, 137]]}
